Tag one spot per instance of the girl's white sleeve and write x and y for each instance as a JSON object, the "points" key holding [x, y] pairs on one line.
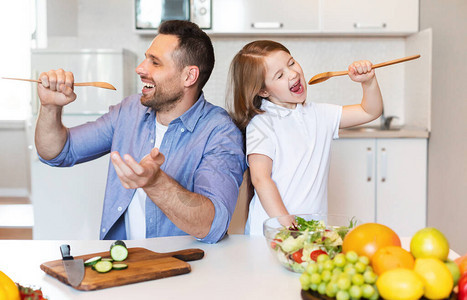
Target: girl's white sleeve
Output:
{"points": [[336, 120], [330, 114], [260, 137]]}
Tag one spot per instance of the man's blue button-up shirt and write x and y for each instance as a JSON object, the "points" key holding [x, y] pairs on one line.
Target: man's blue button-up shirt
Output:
{"points": [[203, 152]]}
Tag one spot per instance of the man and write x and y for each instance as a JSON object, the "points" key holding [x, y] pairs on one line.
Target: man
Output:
{"points": [[190, 154]]}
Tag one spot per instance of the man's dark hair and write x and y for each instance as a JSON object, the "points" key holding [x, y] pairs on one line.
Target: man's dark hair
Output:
{"points": [[194, 48]]}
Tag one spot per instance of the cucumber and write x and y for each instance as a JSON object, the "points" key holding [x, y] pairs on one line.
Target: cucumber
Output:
{"points": [[118, 242], [119, 266], [92, 261], [118, 251], [107, 259], [103, 266]]}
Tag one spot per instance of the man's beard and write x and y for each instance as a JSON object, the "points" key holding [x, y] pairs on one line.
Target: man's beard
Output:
{"points": [[161, 100]]}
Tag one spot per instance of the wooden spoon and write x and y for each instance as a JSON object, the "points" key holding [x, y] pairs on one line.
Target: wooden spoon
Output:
{"points": [[326, 75], [98, 84]]}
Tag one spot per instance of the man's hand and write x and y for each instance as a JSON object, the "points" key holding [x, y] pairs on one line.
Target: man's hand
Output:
{"points": [[361, 71], [56, 88], [135, 175]]}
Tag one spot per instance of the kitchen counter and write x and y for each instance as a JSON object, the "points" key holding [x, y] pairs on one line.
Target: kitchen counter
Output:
{"points": [[238, 267], [375, 132]]}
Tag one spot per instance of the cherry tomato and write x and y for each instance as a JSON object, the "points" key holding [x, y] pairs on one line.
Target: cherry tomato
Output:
{"points": [[274, 244], [297, 256], [314, 255]]}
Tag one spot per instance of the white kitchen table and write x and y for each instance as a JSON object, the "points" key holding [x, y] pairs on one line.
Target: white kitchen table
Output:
{"points": [[238, 267]]}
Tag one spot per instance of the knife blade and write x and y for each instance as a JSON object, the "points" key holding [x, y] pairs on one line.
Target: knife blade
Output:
{"points": [[74, 267]]}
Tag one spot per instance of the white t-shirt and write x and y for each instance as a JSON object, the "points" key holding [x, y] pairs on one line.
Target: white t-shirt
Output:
{"points": [[298, 141], [135, 215]]}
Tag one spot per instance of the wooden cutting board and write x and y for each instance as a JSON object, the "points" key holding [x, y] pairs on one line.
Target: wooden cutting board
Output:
{"points": [[143, 265]]}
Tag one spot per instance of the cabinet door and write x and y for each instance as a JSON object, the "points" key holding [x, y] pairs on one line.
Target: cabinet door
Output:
{"points": [[265, 16], [67, 202], [351, 187], [401, 187], [370, 16]]}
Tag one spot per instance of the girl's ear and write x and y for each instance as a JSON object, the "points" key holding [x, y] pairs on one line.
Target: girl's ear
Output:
{"points": [[263, 93], [191, 75]]}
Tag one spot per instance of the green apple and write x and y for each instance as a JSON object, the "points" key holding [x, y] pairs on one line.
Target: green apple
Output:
{"points": [[429, 242], [454, 269]]}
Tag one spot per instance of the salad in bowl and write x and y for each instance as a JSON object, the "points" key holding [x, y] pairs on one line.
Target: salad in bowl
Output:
{"points": [[295, 240]]}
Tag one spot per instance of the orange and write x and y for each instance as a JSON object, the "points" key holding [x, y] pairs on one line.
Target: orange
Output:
{"points": [[462, 264], [366, 239], [391, 257]]}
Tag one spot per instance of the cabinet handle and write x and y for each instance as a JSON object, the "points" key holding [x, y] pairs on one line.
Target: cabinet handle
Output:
{"points": [[369, 164], [267, 25], [384, 164], [369, 26]]}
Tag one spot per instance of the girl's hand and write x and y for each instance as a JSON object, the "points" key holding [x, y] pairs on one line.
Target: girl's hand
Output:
{"points": [[361, 71]]}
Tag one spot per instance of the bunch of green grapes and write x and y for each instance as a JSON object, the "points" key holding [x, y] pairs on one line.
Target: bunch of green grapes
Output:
{"points": [[346, 276]]}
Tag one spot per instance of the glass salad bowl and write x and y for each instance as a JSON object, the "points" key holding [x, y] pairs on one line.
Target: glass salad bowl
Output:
{"points": [[295, 240]]}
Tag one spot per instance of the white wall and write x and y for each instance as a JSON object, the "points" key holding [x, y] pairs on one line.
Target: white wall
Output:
{"points": [[447, 160]]}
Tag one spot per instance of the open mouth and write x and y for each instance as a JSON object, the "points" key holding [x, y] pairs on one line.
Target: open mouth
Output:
{"points": [[147, 87], [297, 88]]}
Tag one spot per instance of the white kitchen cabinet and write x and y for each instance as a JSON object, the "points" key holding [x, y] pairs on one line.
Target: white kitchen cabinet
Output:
{"points": [[369, 16], [315, 17], [380, 180], [351, 187], [67, 202], [263, 17]]}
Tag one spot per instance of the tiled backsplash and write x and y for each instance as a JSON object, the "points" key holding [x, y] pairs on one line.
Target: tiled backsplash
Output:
{"points": [[314, 54], [317, 55]]}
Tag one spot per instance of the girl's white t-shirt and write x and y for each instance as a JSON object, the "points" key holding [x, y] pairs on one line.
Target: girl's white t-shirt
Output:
{"points": [[135, 216], [298, 141]]}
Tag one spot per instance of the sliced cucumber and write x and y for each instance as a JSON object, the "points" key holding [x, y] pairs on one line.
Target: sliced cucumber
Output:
{"points": [[92, 261], [107, 259], [103, 266], [118, 242], [119, 266], [118, 251]]}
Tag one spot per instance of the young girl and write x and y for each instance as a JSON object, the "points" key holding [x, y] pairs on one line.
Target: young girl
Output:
{"points": [[288, 139]]}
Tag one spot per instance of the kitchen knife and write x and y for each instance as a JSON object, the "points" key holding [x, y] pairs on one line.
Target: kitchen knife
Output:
{"points": [[74, 267]]}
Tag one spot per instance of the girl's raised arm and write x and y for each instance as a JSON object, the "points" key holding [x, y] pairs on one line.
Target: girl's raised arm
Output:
{"points": [[371, 106]]}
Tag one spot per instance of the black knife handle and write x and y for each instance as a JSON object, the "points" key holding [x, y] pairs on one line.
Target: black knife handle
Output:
{"points": [[65, 250]]}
